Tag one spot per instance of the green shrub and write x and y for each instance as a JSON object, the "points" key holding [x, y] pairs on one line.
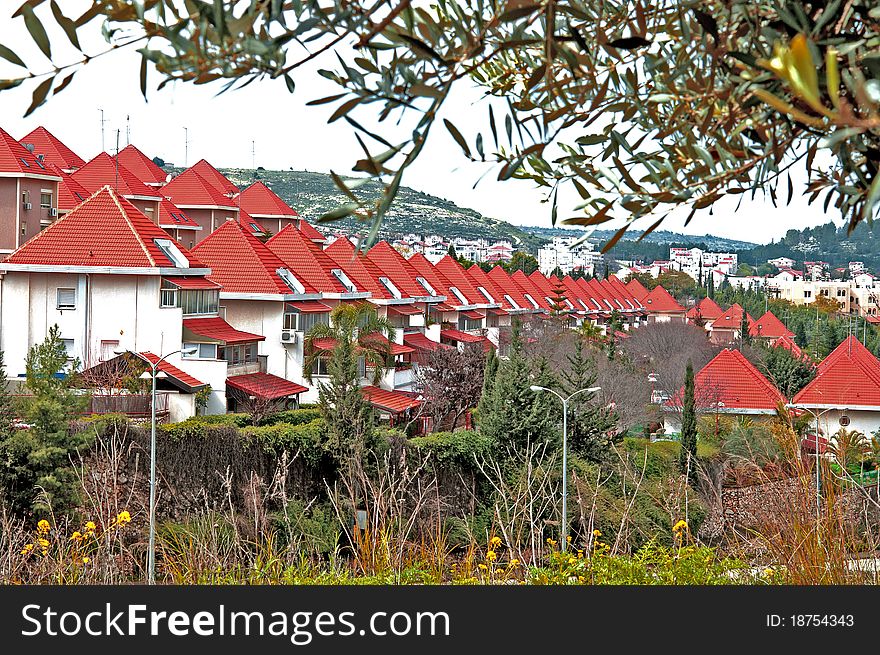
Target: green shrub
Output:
{"points": [[458, 447], [200, 426], [305, 438], [292, 416], [314, 529]]}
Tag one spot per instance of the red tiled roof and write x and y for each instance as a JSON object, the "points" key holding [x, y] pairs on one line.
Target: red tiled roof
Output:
{"points": [[265, 385], [471, 313], [788, 343], [732, 319], [103, 170], [613, 294], [397, 269], [421, 342], [407, 310], [660, 300], [732, 379], [598, 293], [309, 263], [463, 337], [171, 216], [241, 263], [454, 272], [191, 282], [768, 326], [260, 201], [70, 192], [105, 230], [172, 371], [358, 269], [480, 278], [218, 329], [526, 285], [848, 377], [707, 309], [309, 231], [213, 176], [380, 342], [52, 149], [324, 343], [142, 166], [425, 269], [189, 189], [310, 307], [393, 401], [637, 289], [624, 293]]}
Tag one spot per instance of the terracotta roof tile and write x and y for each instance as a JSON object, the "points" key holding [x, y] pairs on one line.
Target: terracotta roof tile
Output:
{"points": [[70, 192], [172, 371], [213, 176], [637, 288], [707, 309], [142, 166], [732, 319], [356, 266], [190, 189], [393, 401], [848, 377], [105, 230], [260, 201], [265, 385], [103, 170], [171, 216], [768, 326], [454, 272], [660, 300], [216, 328], [52, 149], [397, 269], [313, 265]]}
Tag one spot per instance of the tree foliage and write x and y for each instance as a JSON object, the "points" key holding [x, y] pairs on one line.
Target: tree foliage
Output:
{"points": [[641, 108], [591, 426], [452, 382], [688, 453]]}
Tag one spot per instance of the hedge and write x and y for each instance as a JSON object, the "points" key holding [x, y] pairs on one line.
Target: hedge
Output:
{"points": [[459, 447], [305, 438]]}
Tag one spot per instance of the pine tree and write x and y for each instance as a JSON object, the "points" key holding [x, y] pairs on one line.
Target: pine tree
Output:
{"points": [[688, 454], [745, 337], [451, 252], [591, 429], [490, 373]]}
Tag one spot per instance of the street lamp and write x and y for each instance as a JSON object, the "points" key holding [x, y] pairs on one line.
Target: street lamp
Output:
{"points": [[815, 416], [535, 387], [155, 374]]}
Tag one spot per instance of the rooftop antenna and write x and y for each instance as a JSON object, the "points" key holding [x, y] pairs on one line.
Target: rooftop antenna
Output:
{"points": [[103, 148], [116, 161], [127, 130], [253, 155], [185, 147]]}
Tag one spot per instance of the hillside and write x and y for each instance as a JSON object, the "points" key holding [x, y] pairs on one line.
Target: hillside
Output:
{"points": [[313, 194]]}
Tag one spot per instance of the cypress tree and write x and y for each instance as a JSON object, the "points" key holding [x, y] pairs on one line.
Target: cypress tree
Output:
{"points": [[744, 337], [688, 454]]}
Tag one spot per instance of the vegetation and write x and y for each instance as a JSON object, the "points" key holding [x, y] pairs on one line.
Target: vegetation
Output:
{"points": [[688, 454]]}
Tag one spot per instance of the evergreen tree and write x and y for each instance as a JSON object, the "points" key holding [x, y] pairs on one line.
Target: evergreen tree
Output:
{"points": [[688, 453], [451, 252], [790, 374], [591, 429], [490, 373], [506, 414], [39, 458], [800, 334], [744, 337]]}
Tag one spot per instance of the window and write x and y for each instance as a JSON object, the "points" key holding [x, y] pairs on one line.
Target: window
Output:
{"points": [[320, 366], [203, 350], [199, 301], [486, 295], [458, 294], [108, 350], [66, 298], [427, 287], [511, 301], [291, 320], [68, 346], [841, 292], [389, 285], [46, 199], [290, 280], [171, 252], [491, 320], [168, 294], [242, 353], [24, 229], [531, 300], [344, 280], [465, 323], [808, 294]]}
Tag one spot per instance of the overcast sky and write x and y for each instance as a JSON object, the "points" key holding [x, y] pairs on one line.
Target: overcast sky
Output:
{"points": [[286, 134]]}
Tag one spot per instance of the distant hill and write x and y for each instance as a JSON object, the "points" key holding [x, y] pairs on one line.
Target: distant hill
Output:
{"points": [[717, 244], [314, 194]]}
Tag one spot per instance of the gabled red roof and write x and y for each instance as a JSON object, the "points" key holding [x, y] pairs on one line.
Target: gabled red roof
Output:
{"points": [[260, 201], [265, 385], [660, 300], [216, 328], [480, 278], [423, 267], [788, 343], [310, 232], [172, 371], [769, 327], [848, 378], [637, 289], [419, 341], [393, 401], [599, 293], [576, 294], [733, 380], [707, 309], [213, 176], [241, 263], [624, 293], [52, 149], [105, 230], [103, 170], [453, 271], [356, 266], [613, 294], [458, 335], [70, 192], [528, 287], [732, 319], [15, 158], [590, 297], [142, 166], [190, 189], [311, 264], [171, 216], [398, 270]]}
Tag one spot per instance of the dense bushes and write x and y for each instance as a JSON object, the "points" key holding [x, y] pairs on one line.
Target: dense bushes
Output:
{"points": [[454, 447], [303, 438]]}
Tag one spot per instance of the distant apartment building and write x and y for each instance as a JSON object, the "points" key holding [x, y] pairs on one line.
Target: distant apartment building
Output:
{"points": [[697, 263], [782, 262], [855, 268], [568, 254]]}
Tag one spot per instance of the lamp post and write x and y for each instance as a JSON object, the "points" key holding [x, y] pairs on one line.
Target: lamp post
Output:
{"points": [[816, 439], [154, 375], [564, 400]]}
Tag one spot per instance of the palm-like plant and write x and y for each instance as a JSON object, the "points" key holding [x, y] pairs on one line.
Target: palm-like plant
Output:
{"points": [[590, 331], [353, 326]]}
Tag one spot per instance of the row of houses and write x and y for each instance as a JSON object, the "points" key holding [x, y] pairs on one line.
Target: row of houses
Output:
{"points": [[219, 286]]}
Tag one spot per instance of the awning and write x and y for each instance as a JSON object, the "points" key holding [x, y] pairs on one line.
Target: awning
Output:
{"points": [[442, 307], [421, 342], [264, 385], [308, 307], [498, 311], [180, 379], [327, 343], [470, 313], [394, 402], [408, 310], [379, 340], [458, 335], [217, 330], [194, 282]]}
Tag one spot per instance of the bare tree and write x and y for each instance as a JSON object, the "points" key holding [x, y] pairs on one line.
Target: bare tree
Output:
{"points": [[451, 382]]}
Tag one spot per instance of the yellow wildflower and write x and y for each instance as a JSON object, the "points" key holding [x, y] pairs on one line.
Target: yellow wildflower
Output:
{"points": [[90, 526], [483, 567], [597, 533], [124, 517], [495, 542], [491, 556], [86, 560], [681, 525], [27, 548], [76, 536], [572, 560], [568, 538], [43, 526], [768, 572], [43, 543], [514, 562]]}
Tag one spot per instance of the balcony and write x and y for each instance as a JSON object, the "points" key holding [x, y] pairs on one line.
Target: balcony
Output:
{"points": [[244, 368]]}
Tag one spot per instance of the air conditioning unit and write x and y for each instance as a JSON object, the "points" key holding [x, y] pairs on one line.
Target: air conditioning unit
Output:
{"points": [[53, 212], [288, 336], [28, 205]]}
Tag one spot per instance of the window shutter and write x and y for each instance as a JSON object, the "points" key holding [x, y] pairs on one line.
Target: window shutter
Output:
{"points": [[66, 298]]}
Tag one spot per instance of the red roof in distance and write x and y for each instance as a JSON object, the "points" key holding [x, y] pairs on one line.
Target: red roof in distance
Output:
{"points": [[104, 169], [309, 263], [172, 371], [393, 401], [171, 216], [70, 192], [142, 166], [769, 327], [707, 309], [15, 158], [52, 149], [265, 385], [190, 189], [660, 300], [260, 201], [213, 176], [848, 378], [397, 269], [637, 289], [356, 266], [105, 230], [732, 319]]}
